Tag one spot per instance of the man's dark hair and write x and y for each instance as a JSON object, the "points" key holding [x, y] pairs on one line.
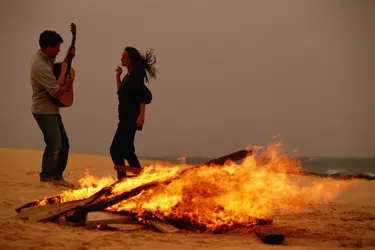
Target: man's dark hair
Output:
{"points": [[49, 38]]}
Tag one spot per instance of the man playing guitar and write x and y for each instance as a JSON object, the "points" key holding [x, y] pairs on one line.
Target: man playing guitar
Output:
{"points": [[45, 111]]}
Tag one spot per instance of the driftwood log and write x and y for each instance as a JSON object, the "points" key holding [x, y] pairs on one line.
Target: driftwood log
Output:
{"points": [[57, 199], [51, 211], [340, 176]]}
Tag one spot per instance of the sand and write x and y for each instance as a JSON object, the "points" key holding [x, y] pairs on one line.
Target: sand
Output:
{"points": [[348, 221]]}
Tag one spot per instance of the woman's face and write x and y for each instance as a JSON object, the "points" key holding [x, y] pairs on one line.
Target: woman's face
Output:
{"points": [[125, 60]]}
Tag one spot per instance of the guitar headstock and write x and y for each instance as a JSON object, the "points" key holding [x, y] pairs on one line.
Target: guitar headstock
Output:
{"points": [[73, 29]]}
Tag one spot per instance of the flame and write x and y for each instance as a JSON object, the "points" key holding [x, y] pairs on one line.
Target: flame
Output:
{"points": [[233, 194], [89, 186]]}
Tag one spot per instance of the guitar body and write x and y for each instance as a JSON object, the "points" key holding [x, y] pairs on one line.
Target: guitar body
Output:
{"points": [[59, 70]]}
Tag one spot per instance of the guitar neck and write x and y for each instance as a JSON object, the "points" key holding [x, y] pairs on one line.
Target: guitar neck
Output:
{"points": [[67, 72]]}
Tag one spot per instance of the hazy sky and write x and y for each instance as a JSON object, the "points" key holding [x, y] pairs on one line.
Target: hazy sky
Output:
{"points": [[231, 73]]}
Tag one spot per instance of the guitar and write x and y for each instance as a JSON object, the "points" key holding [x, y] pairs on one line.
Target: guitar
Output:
{"points": [[62, 70]]}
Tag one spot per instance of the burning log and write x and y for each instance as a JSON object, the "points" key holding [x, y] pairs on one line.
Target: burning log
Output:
{"points": [[49, 200], [187, 223], [81, 212], [239, 155], [48, 212], [57, 199]]}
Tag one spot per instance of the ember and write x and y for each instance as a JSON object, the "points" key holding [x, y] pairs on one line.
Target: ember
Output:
{"points": [[216, 196]]}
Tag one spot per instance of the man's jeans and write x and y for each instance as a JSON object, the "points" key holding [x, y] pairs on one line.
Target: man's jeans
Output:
{"points": [[56, 152]]}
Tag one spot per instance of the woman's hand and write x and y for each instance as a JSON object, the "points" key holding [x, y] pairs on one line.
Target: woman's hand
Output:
{"points": [[140, 120], [118, 71]]}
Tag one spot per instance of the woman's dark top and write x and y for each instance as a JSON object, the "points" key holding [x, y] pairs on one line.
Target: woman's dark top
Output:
{"points": [[131, 93]]}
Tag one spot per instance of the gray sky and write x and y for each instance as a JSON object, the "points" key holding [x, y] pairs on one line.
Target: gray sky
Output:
{"points": [[231, 73]]}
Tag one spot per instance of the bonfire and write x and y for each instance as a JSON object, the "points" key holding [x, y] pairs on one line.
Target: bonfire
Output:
{"points": [[240, 190]]}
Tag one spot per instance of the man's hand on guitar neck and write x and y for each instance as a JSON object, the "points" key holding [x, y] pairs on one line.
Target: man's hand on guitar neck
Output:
{"points": [[70, 52], [64, 87]]}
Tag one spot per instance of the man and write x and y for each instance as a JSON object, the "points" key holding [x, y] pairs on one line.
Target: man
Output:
{"points": [[45, 112]]}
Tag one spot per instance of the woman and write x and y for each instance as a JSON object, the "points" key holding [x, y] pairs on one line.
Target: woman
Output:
{"points": [[133, 96]]}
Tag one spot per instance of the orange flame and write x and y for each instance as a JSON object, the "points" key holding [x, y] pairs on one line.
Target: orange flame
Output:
{"points": [[214, 196]]}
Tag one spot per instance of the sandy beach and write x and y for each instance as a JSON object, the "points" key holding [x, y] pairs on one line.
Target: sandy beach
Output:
{"points": [[348, 221]]}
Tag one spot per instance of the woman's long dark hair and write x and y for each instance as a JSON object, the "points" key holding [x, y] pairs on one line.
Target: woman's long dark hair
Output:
{"points": [[143, 64]]}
